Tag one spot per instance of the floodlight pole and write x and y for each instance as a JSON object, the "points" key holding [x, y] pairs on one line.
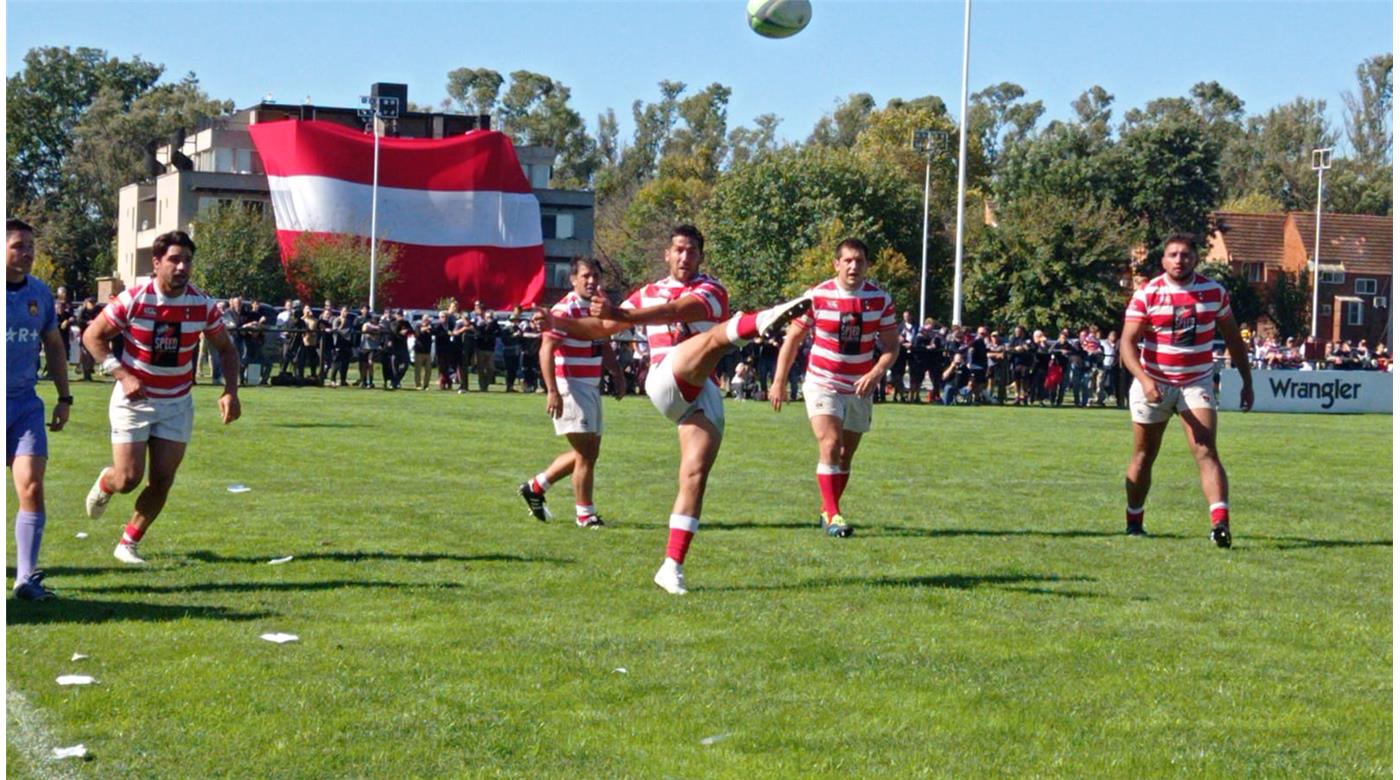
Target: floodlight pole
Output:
{"points": [[962, 170], [374, 213], [923, 267], [1322, 160]]}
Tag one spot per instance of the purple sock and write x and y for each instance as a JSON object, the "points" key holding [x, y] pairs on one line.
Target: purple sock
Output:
{"points": [[29, 531]]}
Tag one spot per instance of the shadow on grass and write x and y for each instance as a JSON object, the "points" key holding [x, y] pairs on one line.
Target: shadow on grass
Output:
{"points": [[299, 425], [898, 530], [721, 526], [206, 556], [252, 587], [66, 609], [1025, 583], [1299, 542], [58, 572]]}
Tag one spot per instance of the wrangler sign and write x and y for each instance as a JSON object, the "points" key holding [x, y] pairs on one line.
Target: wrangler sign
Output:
{"points": [[1335, 392]]}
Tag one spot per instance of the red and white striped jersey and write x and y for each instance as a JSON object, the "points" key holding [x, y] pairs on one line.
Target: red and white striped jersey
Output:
{"points": [[846, 327], [661, 338], [160, 335], [1176, 344], [577, 360]]}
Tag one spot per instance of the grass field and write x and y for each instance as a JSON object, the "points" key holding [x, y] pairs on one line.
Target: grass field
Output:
{"points": [[988, 619]]}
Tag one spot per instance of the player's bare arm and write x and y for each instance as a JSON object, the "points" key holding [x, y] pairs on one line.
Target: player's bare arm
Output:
{"points": [[57, 359], [229, 407], [889, 346], [787, 355], [614, 369], [1132, 359], [1239, 357], [96, 338], [554, 403]]}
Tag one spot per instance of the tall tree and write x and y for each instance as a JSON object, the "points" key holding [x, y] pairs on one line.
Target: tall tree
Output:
{"points": [[1368, 111], [475, 90], [843, 125], [747, 143], [238, 253], [696, 148], [1274, 157], [997, 116], [1168, 177], [535, 110]]}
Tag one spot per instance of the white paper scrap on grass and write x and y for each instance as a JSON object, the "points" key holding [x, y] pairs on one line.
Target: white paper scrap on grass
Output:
{"points": [[276, 561], [621, 670], [77, 657], [81, 534], [75, 679], [280, 638], [238, 487], [77, 751], [712, 740]]}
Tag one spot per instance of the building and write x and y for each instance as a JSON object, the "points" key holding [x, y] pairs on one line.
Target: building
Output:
{"points": [[218, 163], [1355, 266]]}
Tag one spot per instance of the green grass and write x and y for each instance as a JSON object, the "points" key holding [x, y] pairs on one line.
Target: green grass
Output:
{"points": [[988, 619]]}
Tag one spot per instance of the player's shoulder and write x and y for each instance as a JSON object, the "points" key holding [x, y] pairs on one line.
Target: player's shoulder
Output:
{"points": [[872, 290], [1204, 283], [195, 296], [706, 281]]}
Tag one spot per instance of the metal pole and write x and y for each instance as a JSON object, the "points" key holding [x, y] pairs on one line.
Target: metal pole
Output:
{"points": [[1317, 254], [374, 215], [962, 170], [923, 276]]}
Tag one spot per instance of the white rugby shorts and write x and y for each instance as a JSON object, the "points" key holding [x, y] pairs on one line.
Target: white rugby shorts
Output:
{"points": [[583, 408], [665, 394], [171, 419], [854, 412], [1199, 394]]}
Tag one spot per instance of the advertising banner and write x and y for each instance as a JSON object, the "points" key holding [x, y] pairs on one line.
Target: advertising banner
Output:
{"points": [[1321, 392]]}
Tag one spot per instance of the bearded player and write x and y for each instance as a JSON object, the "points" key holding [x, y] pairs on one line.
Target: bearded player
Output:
{"points": [[688, 329], [571, 369], [1176, 317], [849, 316], [160, 321]]}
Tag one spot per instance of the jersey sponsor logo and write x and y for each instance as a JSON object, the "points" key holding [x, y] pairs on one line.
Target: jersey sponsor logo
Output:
{"points": [[1184, 325], [21, 335], [165, 344], [850, 332]]}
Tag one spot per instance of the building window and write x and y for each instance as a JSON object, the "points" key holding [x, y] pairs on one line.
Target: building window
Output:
{"points": [[557, 225], [1332, 277], [1365, 286], [557, 274], [1254, 271], [223, 160], [538, 175], [1356, 313], [243, 160]]}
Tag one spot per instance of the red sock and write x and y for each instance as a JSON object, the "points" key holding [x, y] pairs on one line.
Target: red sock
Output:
{"points": [[104, 485], [132, 534], [826, 482], [683, 529], [748, 325], [1220, 514], [840, 479]]}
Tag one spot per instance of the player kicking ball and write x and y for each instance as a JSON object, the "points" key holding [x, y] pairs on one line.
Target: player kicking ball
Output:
{"points": [[1175, 317], [160, 321], [688, 328], [571, 369], [849, 316]]}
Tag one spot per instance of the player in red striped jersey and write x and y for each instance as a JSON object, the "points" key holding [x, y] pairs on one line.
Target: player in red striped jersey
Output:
{"points": [[1175, 318], [571, 369], [688, 328], [160, 321], [849, 315]]}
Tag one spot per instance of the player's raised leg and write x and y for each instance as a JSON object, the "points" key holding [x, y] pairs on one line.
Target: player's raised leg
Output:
{"points": [[1200, 436]]}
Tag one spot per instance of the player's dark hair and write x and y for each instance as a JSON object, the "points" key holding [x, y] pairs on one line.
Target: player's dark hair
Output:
{"points": [[691, 232], [588, 261], [12, 224], [164, 241], [856, 244], [1189, 239]]}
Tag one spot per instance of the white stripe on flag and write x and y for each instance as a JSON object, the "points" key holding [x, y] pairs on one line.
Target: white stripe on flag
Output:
{"points": [[427, 217]]}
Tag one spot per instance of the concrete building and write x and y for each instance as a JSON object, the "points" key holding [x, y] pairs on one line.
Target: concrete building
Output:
{"points": [[1356, 265], [218, 163]]}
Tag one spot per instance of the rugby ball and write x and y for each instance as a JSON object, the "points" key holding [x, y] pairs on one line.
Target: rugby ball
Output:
{"points": [[779, 18]]}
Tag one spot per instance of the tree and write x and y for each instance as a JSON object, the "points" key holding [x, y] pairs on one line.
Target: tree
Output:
{"points": [[747, 143], [475, 90], [888, 268], [652, 125], [843, 125], [1168, 176], [697, 148], [1274, 156], [238, 253], [336, 267], [997, 117], [1050, 262], [762, 216], [1245, 302], [1288, 305], [1094, 109], [1253, 203], [1368, 112], [636, 241]]}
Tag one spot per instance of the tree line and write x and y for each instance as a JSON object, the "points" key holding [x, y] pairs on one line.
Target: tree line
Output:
{"points": [[1055, 209]]}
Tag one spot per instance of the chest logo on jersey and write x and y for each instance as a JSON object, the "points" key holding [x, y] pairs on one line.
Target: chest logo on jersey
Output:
{"points": [[849, 334], [34, 308], [165, 344], [1184, 325]]}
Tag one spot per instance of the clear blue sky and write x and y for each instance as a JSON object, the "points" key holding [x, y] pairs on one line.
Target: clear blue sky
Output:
{"points": [[612, 53]]}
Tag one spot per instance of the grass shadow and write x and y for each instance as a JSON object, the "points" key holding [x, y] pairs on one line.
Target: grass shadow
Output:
{"points": [[898, 530], [721, 526], [252, 587], [299, 425], [1025, 583], [352, 556], [65, 609], [1299, 542]]}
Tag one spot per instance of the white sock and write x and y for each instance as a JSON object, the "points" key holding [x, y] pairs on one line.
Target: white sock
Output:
{"points": [[542, 481]]}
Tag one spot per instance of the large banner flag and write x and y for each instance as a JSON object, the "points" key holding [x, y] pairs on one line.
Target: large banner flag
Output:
{"points": [[459, 210]]}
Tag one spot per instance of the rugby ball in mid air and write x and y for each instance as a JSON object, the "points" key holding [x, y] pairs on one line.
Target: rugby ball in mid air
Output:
{"points": [[779, 18]]}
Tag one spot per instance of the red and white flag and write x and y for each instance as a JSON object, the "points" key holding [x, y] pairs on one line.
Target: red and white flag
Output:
{"points": [[460, 210]]}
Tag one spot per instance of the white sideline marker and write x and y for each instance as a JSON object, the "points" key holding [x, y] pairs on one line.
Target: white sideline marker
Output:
{"points": [[280, 638]]}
